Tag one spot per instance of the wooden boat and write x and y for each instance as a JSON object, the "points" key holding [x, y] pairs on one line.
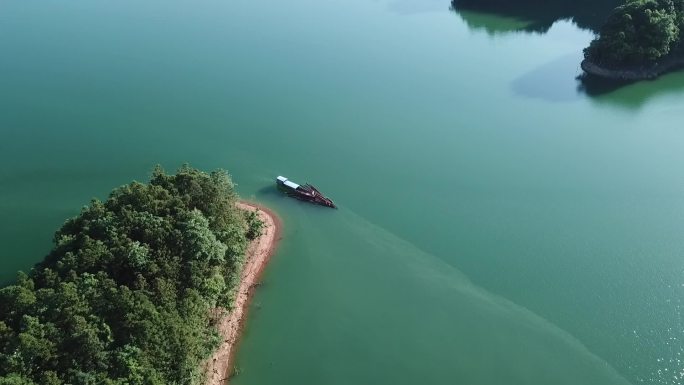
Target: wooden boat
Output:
{"points": [[305, 192]]}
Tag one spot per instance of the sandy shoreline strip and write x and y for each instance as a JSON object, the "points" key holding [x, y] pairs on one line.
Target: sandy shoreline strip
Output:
{"points": [[258, 253]]}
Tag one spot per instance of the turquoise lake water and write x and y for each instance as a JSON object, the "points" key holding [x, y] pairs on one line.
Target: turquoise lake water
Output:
{"points": [[498, 223]]}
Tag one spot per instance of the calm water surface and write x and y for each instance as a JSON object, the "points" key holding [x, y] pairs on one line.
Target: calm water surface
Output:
{"points": [[497, 223]]}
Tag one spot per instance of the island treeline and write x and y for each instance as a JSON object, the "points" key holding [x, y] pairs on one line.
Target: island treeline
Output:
{"points": [[124, 297], [636, 39], [639, 33]]}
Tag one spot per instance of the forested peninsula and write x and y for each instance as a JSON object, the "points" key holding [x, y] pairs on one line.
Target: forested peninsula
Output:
{"points": [[126, 295], [640, 40], [635, 39]]}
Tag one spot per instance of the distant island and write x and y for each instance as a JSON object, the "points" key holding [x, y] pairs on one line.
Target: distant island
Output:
{"points": [[139, 289], [635, 39], [641, 39]]}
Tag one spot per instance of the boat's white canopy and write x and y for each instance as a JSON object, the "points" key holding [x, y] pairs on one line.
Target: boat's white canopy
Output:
{"points": [[281, 179], [291, 184]]}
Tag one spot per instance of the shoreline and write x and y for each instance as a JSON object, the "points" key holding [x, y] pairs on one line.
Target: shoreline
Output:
{"points": [[218, 367], [669, 64]]}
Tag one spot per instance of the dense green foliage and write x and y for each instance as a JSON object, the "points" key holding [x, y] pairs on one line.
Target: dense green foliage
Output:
{"points": [[639, 32], [125, 295]]}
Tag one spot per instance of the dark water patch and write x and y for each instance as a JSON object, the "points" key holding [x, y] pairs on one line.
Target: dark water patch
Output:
{"points": [[269, 191], [550, 81], [595, 86], [493, 24], [628, 94], [24, 243]]}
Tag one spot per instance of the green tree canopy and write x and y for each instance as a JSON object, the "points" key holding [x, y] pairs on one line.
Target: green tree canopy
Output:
{"points": [[639, 32], [124, 295]]}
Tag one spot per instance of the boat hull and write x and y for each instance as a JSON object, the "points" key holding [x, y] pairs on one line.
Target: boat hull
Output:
{"points": [[306, 192]]}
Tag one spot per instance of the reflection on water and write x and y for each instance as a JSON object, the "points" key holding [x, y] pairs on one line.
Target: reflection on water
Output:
{"points": [[493, 24], [631, 95], [538, 16], [595, 86]]}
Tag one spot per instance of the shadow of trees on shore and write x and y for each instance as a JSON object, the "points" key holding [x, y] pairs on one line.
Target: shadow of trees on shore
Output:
{"points": [[630, 95], [595, 86]]}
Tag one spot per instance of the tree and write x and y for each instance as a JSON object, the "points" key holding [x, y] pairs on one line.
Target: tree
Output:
{"points": [[639, 32], [124, 295]]}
